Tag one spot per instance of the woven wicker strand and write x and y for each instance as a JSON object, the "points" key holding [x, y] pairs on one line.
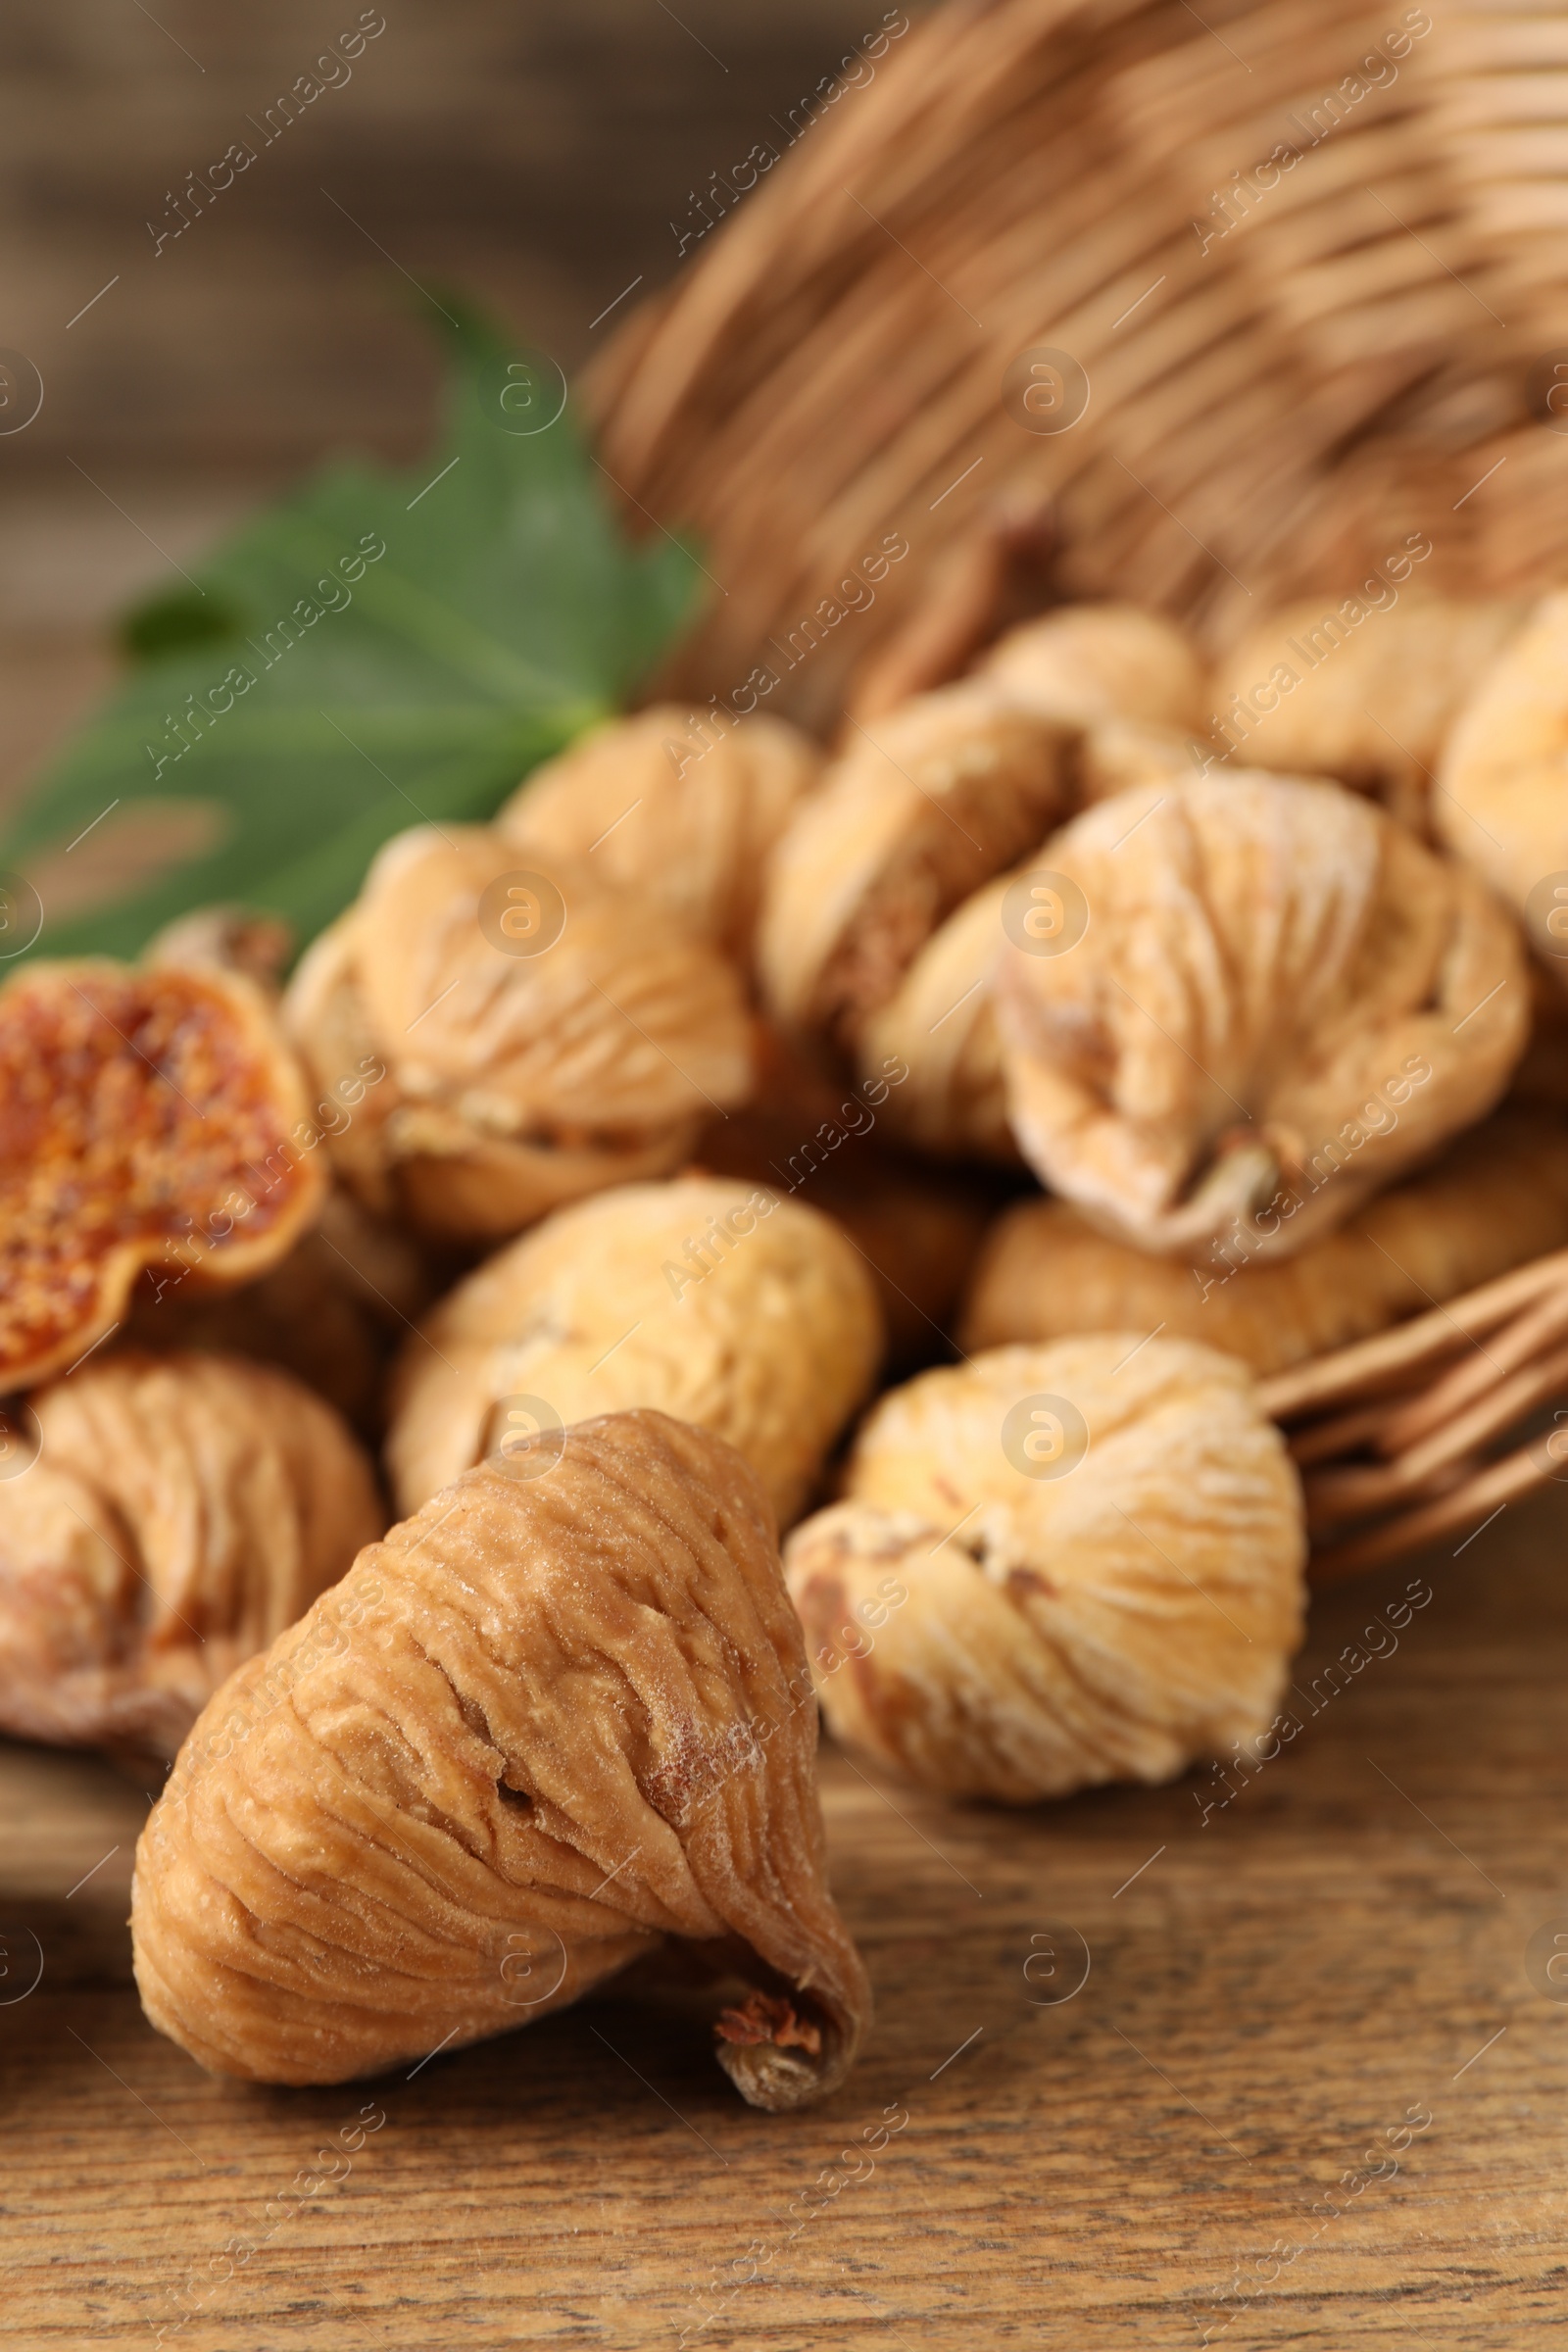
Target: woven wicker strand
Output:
{"points": [[1392, 1433], [1275, 403]]}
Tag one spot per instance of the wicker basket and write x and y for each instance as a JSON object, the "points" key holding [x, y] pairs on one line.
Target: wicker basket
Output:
{"points": [[1308, 261]]}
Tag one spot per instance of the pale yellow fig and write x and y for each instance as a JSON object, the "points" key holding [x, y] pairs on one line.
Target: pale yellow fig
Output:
{"points": [[722, 1302], [1272, 999], [1496, 1198], [1361, 691], [1502, 799], [1123, 752], [548, 1725], [1086, 664], [922, 808], [941, 1024], [680, 805], [1055, 1567], [178, 1513], [520, 1037]]}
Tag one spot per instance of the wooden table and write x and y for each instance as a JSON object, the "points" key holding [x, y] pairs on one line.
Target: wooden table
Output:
{"points": [[1269, 1997], [1196, 2142]]}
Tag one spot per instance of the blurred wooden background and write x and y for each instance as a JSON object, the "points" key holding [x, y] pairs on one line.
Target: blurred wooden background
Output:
{"points": [[532, 154]]}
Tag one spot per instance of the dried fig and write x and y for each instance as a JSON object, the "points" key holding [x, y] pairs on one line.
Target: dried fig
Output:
{"points": [[1088, 662], [149, 1118], [1501, 803], [1273, 1000], [542, 1035], [941, 1024], [1363, 692], [929, 804], [680, 805], [231, 939], [1497, 1197], [545, 1725], [1055, 1567], [1121, 754], [180, 1511], [718, 1301]]}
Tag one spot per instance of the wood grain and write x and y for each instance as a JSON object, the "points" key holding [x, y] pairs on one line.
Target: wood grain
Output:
{"points": [[531, 154], [1268, 1996]]}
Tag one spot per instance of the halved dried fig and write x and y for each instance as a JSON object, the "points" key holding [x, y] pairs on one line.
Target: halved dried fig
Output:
{"points": [[680, 805], [1361, 690], [548, 1723], [1276, 1000], [929, 804], [541, 1033], [722, 1302], [147, 1117], [1055, 1567], [1497, 1198], [180, 1512]]}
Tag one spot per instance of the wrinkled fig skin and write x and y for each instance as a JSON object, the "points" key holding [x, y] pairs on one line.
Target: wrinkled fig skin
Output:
{"points": [[1368, 700], [1086, 664], [680, 805], [547, 1723], [1496, 1198], [1281, 1002], [1501, 803], [990, 1634], [513, 1082], [147, 1118], [182, 1512], [607, 1306], [920, 811]]}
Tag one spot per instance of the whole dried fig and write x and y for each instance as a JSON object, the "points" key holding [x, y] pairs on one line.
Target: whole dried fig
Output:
{"points": [[234, 939], [1055, 1567], [680, 805], [721, 1302], [1497, 1197], [545, 1725], [1273, 1000], [926, 806], [543, 1035], [1088, 662], [941, 1024], [1363, 692], [147, 1118], [1501, 803], [1121, 754], [180, 1511]]}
